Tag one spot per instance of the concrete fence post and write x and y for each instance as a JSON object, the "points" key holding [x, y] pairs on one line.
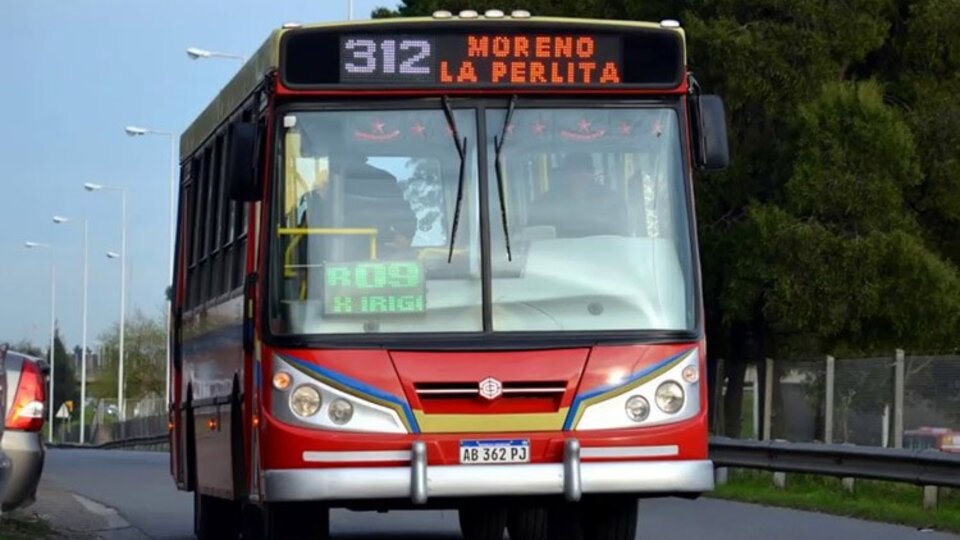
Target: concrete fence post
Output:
{"points": [[721, 476], [849, 484], [930, 496], [828, 400], [830, 390], [898, 391], [779, 478], [767, 399]]}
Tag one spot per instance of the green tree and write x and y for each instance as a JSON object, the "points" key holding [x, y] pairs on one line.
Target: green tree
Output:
{"points": [[144, 356], [65, 385], [26, 347], [834, 229]]}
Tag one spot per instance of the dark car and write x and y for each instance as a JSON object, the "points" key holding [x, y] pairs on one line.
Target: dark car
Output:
{"points": [[25, 405]]}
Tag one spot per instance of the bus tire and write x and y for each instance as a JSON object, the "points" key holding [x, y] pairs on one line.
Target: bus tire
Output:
{"points": [[215, 518], [527, 523], [252, 526], [613, 518], [565, 522], [483, 522], [297, 521]]}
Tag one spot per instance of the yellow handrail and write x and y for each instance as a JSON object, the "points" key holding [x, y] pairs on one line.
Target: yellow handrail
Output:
{"points": [[372, 233]]}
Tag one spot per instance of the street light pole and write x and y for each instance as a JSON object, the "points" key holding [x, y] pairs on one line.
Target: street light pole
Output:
{"points": [[135, 131], [169, 291], [51, 402], [196, 53], [83, 350], [123, 287], [350, 10]]}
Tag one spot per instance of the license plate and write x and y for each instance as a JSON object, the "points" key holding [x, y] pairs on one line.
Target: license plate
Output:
{"points": [[504, 451]]}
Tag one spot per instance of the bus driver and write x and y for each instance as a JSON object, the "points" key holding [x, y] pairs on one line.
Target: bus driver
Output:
{"points": [[576, 205]]}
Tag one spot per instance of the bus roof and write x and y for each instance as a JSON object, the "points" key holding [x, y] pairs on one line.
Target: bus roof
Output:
{"points": [[267, 58]]}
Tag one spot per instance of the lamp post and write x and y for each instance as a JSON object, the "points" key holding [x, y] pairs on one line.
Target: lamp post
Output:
{"points": [[83, 350], [51, 403], [349, 10], [196, 53], [91, 187], [136, 131]]}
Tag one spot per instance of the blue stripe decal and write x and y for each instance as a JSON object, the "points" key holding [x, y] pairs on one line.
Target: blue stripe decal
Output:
{"points": [[359, 386], [483, 443], [567, 425]]}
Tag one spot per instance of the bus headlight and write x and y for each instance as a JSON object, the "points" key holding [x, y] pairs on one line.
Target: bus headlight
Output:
{"points": [[660, 394], [305, 401], [669, 397], [637, 408], [340, 411], [316, 398]]}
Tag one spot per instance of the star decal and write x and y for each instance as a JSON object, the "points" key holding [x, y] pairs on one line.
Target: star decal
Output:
{"points": [[539, 128], [584, 125], [625, 128], [377, 126], [419, 130]]}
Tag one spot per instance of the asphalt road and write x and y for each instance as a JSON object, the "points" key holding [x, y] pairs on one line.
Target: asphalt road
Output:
{"points": [[138, 486]]}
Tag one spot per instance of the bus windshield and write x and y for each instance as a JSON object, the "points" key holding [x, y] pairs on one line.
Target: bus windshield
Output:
{"points": [[595, 217], [597, 221]]}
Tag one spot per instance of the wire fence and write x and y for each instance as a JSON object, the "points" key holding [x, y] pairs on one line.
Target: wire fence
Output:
{"points": [[886, 401], [106, 422]]}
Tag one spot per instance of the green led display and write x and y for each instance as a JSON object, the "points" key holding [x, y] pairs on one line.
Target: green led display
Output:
{"points": [[371, 288]]}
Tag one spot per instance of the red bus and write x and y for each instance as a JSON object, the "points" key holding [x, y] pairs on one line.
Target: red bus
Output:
{"points": [[444, 262]]}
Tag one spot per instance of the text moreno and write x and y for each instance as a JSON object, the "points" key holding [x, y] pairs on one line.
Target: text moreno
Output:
{"points": [[531, 60]]}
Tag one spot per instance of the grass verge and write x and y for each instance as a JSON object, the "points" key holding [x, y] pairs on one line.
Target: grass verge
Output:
{"points": [[18, 526], [871, 500]]}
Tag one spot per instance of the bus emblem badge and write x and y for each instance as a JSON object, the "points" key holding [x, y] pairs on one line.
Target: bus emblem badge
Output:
{"points": [[491, 388]]}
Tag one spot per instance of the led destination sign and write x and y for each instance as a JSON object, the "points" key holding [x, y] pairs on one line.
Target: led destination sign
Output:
{"points": [[482, 59], [578, 58], [371, 288]]}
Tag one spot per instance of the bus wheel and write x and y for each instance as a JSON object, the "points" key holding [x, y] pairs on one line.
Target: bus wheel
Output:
{"points": [[527, 523], [297, 521], [612, 518], [483, 522], [252, 527], [215, 518], [565, 522]]}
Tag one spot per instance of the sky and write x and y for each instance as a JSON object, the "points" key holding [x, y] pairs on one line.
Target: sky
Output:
{"points": [[72, 75]]}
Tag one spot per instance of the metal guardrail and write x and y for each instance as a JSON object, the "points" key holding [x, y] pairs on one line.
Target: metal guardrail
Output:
{"points": [[920, 467], [153, 440]]}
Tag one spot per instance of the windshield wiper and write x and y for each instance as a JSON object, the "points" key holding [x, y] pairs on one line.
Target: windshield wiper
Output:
{"points": [[462, 151], [498, 166]]}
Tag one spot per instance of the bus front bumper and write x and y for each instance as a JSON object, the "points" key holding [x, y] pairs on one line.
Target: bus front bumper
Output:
{"points": [[418, 482]]}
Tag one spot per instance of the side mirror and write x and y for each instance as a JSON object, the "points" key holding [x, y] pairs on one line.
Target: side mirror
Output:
{"points": [[712, 151], [241, 162]]}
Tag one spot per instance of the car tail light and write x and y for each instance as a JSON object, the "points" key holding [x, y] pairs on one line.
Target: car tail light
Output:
{"points": [[27, 411]]}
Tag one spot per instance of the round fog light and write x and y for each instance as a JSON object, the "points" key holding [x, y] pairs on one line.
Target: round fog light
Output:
{"points": [[341, 411], [638, 408], [670, 397], [691, 374], [282, 380], [305, 401]]}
